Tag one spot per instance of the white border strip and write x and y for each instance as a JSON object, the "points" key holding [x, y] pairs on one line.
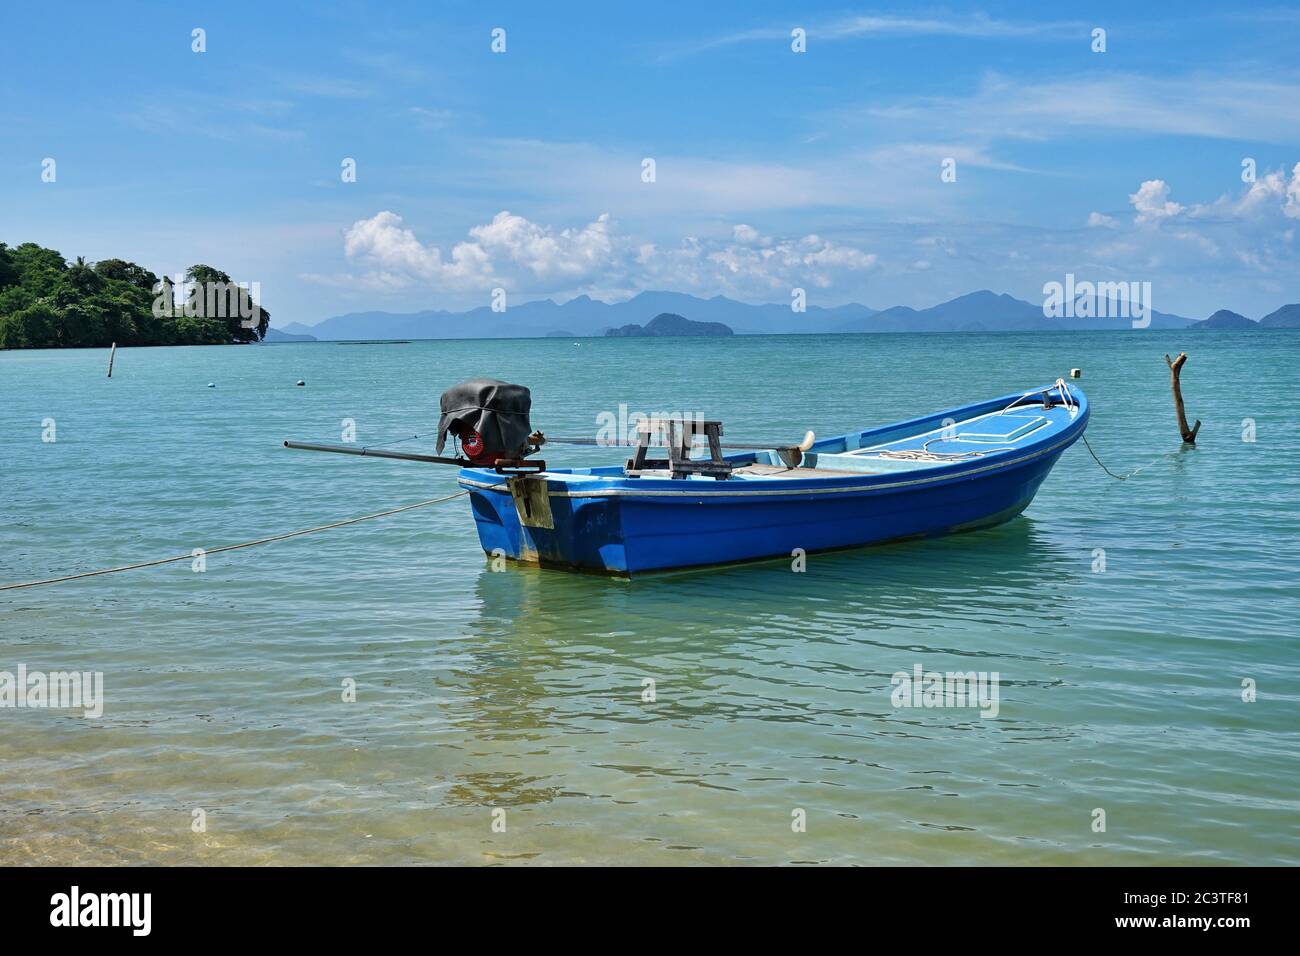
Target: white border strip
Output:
{"points": [[757, 493]]}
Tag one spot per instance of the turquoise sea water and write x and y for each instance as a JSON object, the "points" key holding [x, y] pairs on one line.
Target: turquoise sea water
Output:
{"points": [[522, 689]]}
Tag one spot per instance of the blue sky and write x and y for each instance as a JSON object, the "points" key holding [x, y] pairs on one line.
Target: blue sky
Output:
{"points": [[523, 170]]}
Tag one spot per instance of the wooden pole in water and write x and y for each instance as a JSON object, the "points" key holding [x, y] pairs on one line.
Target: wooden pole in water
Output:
{"points": [[111, 352], [1175, 365]]}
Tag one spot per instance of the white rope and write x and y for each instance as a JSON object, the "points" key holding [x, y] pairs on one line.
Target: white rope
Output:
{"points": [[231, 547], [1018, 400], [1067, 398], [924, 454]]}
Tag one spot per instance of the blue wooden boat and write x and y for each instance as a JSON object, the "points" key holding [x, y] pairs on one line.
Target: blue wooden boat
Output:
{"points": [[955, 470]]}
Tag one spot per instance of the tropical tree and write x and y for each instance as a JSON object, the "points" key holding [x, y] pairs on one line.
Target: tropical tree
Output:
{"points": [[128, 272], [8, 268], [213, 294], [47, 303], [29, 328]]}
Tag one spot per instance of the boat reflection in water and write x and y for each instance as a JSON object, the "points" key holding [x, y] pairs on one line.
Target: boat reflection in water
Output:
{"points": [[763, 679], [760, 641]]}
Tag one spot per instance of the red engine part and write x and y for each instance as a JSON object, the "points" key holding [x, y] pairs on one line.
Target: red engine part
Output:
{"points": [[471, 444]]}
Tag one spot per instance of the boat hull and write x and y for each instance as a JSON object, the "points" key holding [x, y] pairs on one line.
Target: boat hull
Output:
{"points": [[631, 535], [634, 526]]}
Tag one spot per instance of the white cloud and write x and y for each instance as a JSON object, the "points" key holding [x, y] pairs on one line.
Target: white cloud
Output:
{"points": [[393, 253], [508, 248], [1274, 194], [517, 253], [545, 253], [894, 177], [1245, 234], [977, 25], [1152, 202], [1212, 106], [1097, 220], [1292, 207], [768, 263], [972, 26]]}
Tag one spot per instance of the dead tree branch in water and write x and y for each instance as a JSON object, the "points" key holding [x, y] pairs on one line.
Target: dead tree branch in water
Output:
{"points": [[1189, 434]]}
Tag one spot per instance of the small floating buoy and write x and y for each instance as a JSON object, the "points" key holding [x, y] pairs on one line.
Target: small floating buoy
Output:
{"points": [[301, 382], [1076, 373], [212, 384]]}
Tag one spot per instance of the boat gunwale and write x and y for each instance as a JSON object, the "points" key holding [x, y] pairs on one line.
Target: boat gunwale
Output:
{"points": [[622, 486]]}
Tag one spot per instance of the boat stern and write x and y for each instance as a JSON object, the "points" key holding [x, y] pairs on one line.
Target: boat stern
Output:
{"points": [[522, 519]]}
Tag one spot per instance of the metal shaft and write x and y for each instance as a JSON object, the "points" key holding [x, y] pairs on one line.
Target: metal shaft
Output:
{"points": [[376, 453]]}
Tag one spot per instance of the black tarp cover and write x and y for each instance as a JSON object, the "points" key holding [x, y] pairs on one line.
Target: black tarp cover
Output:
{"points": [[496, 410]]}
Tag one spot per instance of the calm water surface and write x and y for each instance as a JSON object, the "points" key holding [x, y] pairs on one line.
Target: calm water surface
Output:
{"points": [[522, 689]]}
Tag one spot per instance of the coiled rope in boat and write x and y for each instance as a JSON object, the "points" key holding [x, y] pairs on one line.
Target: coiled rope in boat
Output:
{"points": [[232, 547]]}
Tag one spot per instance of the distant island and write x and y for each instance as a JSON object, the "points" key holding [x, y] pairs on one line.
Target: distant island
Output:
{"points": [[668, 323], [275, 335], [47, 303], [1225, 319], [1287, 317]]}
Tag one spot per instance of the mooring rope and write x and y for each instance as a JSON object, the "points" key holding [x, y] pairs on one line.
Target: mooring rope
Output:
{"points": [[386, 443], [1107, 470], [231, 547]]}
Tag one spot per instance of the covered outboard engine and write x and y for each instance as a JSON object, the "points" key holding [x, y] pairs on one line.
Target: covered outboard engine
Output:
{"points": [[490, 419]]}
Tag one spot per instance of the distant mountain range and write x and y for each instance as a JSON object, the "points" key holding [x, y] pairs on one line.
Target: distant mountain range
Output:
{"points": [[582, 316], [986, 311], [982, 311]]}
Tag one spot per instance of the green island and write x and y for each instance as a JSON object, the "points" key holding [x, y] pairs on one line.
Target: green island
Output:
{"points": [[47, 303]]}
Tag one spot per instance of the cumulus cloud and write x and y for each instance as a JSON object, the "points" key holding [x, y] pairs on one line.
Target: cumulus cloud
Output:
{"points": [[389, 250], [518, 253], [1245, 233], [1271, 191], [767, 262], [544, 252], [1152, 203]]}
